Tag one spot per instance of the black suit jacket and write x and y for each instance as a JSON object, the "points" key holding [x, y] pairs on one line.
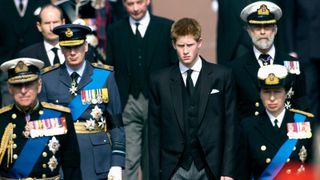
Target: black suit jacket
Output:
{"points": [[246, 69], [261, 142], [36, 51], [16, 32], [303, 26], [160, 52], [216, 132]]}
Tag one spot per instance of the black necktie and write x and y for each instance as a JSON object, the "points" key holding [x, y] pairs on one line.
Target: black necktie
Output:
{"points": [[74, 77], [20, 5], [138, 35], [189, 82], [265, 58], [276, 126], [56, 57]]}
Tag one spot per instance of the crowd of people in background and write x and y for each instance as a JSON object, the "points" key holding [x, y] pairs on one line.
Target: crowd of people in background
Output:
{"points": [[105, 89]]}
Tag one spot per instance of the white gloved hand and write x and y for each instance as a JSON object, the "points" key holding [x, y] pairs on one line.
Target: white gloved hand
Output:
{"points": [[115, 173]]}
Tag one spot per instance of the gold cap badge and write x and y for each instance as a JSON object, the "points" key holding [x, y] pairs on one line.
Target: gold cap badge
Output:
{"points": [[69, 33]]}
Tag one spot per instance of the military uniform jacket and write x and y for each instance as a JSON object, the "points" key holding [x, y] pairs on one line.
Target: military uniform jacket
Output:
{"points": [[97, 153], [245, 70], [261, 142], [60, 150]]}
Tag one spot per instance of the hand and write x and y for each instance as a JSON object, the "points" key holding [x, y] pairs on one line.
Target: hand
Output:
{"points": [[115, 173], [226, 178]]}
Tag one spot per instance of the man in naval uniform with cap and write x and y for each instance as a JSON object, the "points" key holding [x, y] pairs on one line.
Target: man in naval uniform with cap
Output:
{"points": [[278, 143], [37, 138], [91, 93], [261, 18]]}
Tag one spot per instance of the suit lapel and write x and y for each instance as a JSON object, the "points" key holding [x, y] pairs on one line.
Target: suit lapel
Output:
{"points": [[44, 55], [64, 76], [176, 86], [252, 67], [152, 38], [86, 77], [205, 78]]}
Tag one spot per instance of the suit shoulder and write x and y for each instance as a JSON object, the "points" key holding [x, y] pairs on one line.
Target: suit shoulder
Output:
{"points": [[309, 115], [55, 107], [50, 68], [102, 66], [6, 108], [162, 19]]}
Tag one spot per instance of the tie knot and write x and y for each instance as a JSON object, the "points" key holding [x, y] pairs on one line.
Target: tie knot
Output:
{"points": [[265, 58], [74, 76], [189, 72], [55, 50], [137, 24], [276, 123]]}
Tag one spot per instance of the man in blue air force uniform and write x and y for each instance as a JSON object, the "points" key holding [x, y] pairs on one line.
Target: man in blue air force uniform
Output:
{"points": [[278, 143], [37, 138], [92, 94]]}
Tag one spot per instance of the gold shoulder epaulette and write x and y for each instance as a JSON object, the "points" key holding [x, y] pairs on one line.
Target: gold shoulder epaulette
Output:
{"points": [[49, 68], [6, 108], [102, 66], [310, 115], [55, 107]]}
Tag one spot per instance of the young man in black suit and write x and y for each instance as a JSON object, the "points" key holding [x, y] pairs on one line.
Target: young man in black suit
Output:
{"points": [[191, 113], [261, 18], [136, 46]]}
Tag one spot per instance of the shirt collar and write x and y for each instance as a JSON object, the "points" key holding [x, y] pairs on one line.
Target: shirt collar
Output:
{"points": [[48, 47], [144, 22], [79, 71], [279, 118], [271, 52], [196, 67]]}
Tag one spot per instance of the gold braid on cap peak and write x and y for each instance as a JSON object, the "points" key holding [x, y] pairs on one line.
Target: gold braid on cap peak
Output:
{"points": [[263, 10], [272, 80], [7, 144]]}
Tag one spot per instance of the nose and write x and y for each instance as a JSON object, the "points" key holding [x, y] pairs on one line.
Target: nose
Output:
{"points": [[272, 97], [185, 50], [23, 88], [135, 7]]}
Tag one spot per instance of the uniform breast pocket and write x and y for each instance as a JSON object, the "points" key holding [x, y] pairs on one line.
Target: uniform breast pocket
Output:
{"points": [[101, 152]]}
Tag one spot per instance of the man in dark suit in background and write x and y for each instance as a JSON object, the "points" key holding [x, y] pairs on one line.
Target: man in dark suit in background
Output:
{"points": [[261, 18], [192, 114], [303, 27], [48, 50], [137, 46], [18, 30]]}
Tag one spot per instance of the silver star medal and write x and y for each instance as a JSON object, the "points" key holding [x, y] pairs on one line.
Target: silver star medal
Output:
{"points": [[54, 145], [96, 113], [73, 90], [53, 163]]}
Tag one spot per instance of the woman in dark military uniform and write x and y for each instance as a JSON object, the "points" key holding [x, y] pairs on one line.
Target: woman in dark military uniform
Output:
{"points": [[37, 137], [279, 141]]}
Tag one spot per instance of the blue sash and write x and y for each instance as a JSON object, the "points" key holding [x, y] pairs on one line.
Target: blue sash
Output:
{"points": [[98, 80], [31, 151], [282, 155]]}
